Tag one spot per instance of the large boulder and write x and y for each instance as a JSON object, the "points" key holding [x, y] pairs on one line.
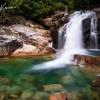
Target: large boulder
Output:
{"points": [[26, 34], [36, 40], [8, 44]]}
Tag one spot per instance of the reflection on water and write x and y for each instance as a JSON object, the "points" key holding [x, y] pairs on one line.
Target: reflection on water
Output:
{"points": [[15, 81]]}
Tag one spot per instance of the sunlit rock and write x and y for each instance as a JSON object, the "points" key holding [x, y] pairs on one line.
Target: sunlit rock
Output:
{"points": [[36, 41], [26, 50]]}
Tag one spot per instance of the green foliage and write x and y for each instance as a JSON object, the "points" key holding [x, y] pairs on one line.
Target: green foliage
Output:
{"points": [[15, 3], [71, 4], [34, 8]]}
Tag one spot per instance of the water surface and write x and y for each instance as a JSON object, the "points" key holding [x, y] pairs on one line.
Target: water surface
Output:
{"points": [[77, 83]]}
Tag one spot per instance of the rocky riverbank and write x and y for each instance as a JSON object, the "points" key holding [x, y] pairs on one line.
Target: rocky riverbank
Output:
{"points": [[34, 41]]}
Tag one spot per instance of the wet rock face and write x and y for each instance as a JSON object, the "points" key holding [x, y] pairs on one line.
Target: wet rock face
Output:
{"points": [[86, 31], [97, 10], [8, 44], [98, 28]]}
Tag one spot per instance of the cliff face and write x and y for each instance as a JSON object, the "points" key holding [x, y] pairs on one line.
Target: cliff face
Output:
{"points": [[97, 10], [54, 22]]}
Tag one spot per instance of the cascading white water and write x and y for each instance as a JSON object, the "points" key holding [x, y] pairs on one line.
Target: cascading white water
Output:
{"points": [[93, 36], [70, 40]]}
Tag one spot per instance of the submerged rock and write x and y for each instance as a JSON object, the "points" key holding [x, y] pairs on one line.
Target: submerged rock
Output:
{"points": [[67, 79], [96, 83], [40, 95], [4, 80], [58, 96], [2, 96], [53, 87], [26, 95], [8, 44], [14, 90]]}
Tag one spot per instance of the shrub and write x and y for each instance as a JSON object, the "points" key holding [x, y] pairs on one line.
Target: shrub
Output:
{"points": [[34, 8]]}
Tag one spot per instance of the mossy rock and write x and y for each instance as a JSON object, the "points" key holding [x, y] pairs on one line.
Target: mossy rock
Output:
{"points": [[14, 90], [67, 79], [26, 94], [53, 87], [2, 96], [3, 88], [40, 96]]}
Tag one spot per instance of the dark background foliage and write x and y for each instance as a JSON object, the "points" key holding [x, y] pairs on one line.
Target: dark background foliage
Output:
{"points": [[39, 8]]}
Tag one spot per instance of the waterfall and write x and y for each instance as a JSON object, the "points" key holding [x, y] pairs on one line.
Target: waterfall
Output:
{"points": [[93, 36], [70, 40]]}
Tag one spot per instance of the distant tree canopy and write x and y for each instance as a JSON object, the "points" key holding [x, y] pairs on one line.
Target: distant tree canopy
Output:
{"points": [[34, 8]]}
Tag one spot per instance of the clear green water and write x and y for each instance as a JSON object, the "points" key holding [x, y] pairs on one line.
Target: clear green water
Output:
{"points": [[73, 81]]}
